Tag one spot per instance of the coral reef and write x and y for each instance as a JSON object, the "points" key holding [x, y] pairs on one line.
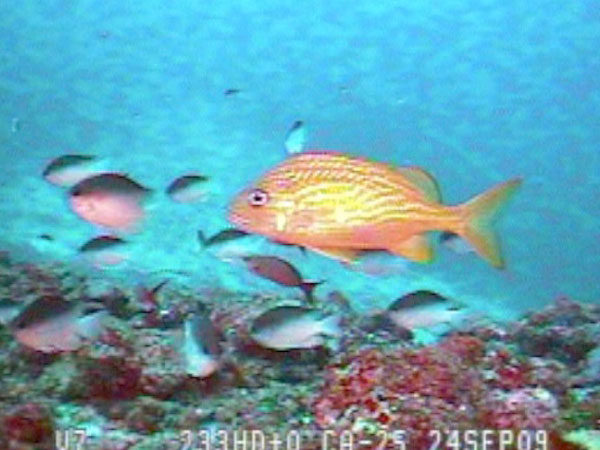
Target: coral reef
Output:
{"points": [[479, 381], [129, 390], [567, 331], [28, 425]]}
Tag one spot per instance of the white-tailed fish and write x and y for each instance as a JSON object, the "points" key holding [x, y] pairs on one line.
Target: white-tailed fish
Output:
{"points": [[201, 344], [188, 189], [68, 170], [111, 200], [290, 327], [106, 250], [52, 324], [423, 309]]}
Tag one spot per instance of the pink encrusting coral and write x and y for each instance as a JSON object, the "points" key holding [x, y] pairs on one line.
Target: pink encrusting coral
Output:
{"points": [[413, 390], [457, 384], [125, 365], [527, 408]]}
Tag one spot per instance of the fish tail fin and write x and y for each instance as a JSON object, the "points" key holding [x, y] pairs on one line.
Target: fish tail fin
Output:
{"points": [[480, 213], [331, 325], [331, 331], [308, 287]]}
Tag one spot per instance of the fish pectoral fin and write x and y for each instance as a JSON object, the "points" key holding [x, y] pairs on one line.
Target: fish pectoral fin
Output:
{"points": [[347, 255], [416, 248]]}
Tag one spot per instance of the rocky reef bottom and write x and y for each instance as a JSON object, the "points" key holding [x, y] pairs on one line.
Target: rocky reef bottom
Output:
{"points": [[534, 383]]}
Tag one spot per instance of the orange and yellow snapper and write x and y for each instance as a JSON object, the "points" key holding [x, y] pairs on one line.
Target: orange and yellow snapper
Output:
{"points": [[341, 205]]}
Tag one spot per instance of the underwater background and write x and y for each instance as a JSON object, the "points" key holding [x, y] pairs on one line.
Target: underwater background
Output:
{"points": [[475, 92]]}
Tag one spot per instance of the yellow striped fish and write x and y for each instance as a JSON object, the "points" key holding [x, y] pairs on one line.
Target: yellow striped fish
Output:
{"points": [[340, 206]]}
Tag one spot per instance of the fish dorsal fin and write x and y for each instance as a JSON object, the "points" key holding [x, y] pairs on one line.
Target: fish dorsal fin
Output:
{"points": [[417, 299], [347, 255], [423, 181], [416, 248]]}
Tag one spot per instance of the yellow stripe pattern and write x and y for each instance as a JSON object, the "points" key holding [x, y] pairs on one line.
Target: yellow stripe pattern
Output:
{"points": [[345, 192]]}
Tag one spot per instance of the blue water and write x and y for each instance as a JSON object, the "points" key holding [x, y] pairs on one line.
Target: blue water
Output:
{"points": [[475, 92]]}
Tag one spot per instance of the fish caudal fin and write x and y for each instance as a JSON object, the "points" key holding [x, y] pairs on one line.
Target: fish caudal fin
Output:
{"points": [[330, 331], [331, 325], [308, 288], [480, 214]]}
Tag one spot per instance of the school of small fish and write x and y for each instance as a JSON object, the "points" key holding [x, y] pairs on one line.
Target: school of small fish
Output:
{"points": [[369, 215]]}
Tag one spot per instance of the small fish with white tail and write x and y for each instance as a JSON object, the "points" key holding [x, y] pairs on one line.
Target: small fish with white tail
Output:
{"points": [[229, 245], [105, 251], [111, 200], [68, 170], [202, 350], [188, 189], [52, 324], [417, 310], [289, 327]]}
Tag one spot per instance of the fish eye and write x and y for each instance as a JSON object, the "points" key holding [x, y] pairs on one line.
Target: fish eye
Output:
{"points": [[258, 197]]}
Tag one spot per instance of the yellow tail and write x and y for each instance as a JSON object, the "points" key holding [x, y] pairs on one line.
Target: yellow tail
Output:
{"points": [[480, 213]]}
